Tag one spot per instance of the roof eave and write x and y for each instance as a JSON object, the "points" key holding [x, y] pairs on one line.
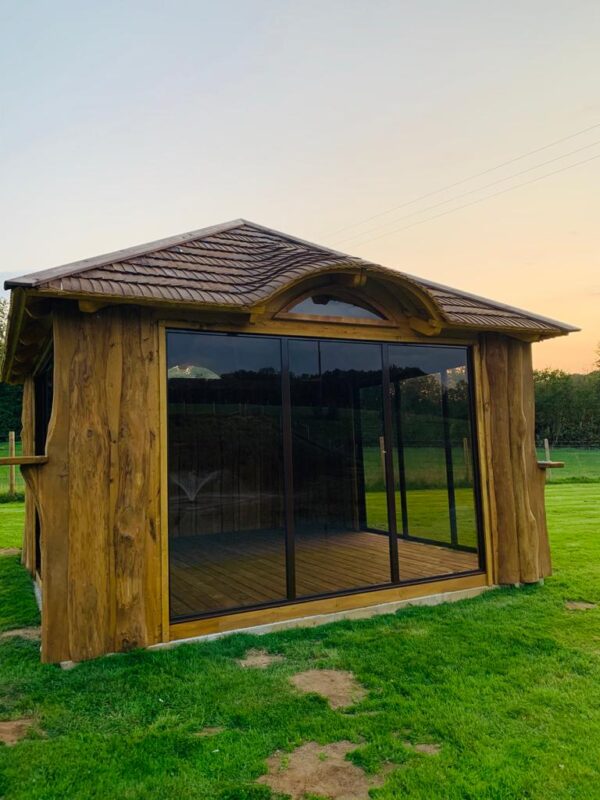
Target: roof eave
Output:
{"points": [[13, 327], [34, 279], [563, 326]]}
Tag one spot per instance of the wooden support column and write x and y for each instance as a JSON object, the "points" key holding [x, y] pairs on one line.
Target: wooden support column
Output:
{"points": [[515, 483], [98, 493]]}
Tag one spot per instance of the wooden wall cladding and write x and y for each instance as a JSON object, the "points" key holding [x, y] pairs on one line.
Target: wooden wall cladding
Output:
{"points": [[28, 446], [519, 537], [99, 492]]}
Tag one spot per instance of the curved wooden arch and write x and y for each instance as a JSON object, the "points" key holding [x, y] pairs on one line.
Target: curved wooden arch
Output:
{"points": [[344, 294], [392, 294]]}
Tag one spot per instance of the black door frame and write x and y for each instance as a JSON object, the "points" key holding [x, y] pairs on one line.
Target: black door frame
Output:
{"points": [[390, 406]]}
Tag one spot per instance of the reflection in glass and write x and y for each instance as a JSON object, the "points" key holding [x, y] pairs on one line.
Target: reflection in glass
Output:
{"points": [[433, 445], [226, 522], [337, 422], [324, 305], [316, 451]]}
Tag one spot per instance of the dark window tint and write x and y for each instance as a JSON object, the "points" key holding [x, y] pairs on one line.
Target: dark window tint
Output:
{"points": [[309, 467], [433, 444], [337, 426], [226, 524], [325, 305]]}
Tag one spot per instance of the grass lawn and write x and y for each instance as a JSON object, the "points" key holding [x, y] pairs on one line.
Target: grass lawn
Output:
{"points": [[425, 467], [508, 684], [11, 524], [428, 514], [4, 471], [581, 464]]}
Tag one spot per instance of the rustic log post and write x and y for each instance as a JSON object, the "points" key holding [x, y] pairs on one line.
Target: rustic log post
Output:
{"points": [[516, 483], [98, 493]]}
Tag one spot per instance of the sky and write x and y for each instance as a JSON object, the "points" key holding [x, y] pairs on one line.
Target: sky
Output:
{"points": [[340, 122]]}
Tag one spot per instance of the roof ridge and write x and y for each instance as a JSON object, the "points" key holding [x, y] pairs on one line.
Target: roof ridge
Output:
{"points": [[284, 255], [32, 279]]}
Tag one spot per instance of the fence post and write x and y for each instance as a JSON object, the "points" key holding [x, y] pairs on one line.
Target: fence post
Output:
{"points": [[547, 452], [12, 470]]}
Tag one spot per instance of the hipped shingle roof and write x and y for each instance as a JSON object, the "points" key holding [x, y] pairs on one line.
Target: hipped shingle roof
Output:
{"points": [[240, 264]]}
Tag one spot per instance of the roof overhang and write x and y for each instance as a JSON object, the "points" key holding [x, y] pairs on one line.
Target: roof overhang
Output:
{"points": [[236, 268]]}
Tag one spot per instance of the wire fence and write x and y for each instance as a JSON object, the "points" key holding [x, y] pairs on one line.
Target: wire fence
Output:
{"points": [[581, 462], [582, 465]]}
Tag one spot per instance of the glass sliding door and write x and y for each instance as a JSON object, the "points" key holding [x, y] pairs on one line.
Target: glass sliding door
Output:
{"points": [[225, 466], [434, 466], [304, 467], [340, 518]]}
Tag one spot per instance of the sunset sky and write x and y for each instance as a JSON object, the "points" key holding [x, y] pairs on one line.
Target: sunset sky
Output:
{"points": [[123, 122]]}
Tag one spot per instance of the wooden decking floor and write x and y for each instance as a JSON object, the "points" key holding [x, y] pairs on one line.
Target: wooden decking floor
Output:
{"points": [[209, 573]]}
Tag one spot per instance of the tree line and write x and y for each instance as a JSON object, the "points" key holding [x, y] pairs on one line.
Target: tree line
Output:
{"points": [[567, 407]]}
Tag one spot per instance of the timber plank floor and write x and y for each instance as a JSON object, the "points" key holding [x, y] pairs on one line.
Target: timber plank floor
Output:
{"points": [[214, 572]]}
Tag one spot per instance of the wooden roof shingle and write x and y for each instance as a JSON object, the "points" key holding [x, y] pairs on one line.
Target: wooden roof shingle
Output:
{"points": [[240, 264]]}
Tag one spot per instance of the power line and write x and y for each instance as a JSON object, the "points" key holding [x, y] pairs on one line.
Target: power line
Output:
{"points": [[481, 199], [466, 180], [472, 191]]}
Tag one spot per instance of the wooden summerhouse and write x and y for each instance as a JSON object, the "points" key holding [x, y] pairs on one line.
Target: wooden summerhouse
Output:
{"points": [[235, 428]]}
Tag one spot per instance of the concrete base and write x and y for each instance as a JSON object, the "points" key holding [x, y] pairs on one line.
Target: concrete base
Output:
{"points": [[325, 619]]}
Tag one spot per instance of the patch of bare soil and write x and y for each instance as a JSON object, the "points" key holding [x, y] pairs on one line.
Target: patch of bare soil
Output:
{"points": [[259, 659], [13, 731], [31, 634], [578, 605], [10, 551], [339, 686], [320, 770], [427, 749], [210, 731]]}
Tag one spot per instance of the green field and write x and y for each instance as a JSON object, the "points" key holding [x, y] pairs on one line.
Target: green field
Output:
{"points": [[507, 684], [582, 465], [425, 467], [428, 516], [11, 524]]}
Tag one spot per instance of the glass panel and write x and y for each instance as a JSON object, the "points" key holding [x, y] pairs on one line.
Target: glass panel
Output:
{"points": [[226, 517], [433, 464], [324, 305], [337, 422], [372, 445], [461, 441]]}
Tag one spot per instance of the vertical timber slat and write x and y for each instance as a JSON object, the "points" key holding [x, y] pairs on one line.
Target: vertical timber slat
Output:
{"points": [[99, 493], [27, 442], [496, 362], [136, 529], [52, 482], [488, 500], [91, 579]]}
